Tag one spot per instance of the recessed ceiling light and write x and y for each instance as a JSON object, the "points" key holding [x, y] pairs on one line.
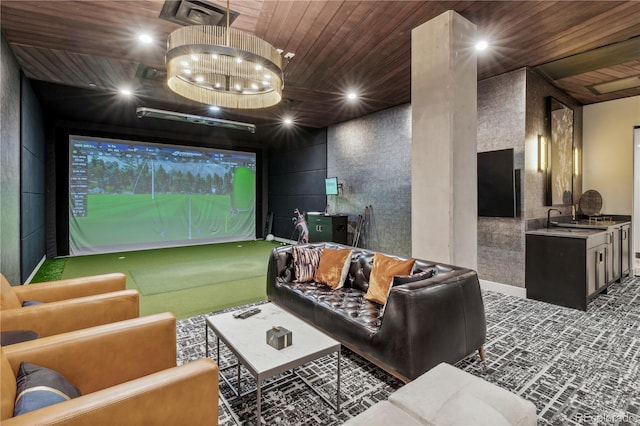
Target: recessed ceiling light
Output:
{"points": [[199, 79], [92, 85], [352, 96], [482, 45], [615, 85], [288, 121], [126, 92], [145, 38], [214, 108]]}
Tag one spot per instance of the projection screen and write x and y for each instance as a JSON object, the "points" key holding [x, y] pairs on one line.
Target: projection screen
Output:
{"points": [[127, 195]]}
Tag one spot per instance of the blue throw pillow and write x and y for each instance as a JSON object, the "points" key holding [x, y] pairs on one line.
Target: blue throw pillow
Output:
{"points": [[39, 387]]}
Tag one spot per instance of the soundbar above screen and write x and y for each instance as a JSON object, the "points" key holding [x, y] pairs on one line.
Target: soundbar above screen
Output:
{"points": [[127, 195]]}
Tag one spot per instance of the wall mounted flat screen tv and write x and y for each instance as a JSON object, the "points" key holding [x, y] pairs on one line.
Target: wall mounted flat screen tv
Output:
{"points": [[498, 184], [331, 186]]}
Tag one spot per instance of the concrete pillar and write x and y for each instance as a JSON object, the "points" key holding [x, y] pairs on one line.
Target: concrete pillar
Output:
{"points": [[443, 150]]}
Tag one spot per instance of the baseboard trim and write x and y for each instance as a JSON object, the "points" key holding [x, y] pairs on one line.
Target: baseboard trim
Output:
{"points": [[509, 290], [35, 270]]}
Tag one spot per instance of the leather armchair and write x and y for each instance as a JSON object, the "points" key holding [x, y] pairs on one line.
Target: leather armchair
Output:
{"points": [[68, 304], [126, 372]]}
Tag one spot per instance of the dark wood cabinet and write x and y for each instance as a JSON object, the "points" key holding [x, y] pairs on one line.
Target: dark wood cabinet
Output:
{"points": [[326, 227], [566, 267], [569, 265]]}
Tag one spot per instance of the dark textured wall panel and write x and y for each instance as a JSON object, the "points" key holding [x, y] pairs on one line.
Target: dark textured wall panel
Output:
{"points": [[297, 168], [307, 182], [300, 158], [33, 194], [9, 165]]}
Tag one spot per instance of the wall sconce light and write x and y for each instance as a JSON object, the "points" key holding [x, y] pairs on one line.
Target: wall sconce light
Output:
{"points": [[576, 161], [542, 153]]}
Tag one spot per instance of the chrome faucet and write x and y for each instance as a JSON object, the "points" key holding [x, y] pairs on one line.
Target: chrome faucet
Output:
{"points": [[549, 223]]}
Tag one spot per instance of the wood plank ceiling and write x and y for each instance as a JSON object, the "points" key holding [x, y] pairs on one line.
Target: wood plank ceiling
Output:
{"points": [[338, 45]]}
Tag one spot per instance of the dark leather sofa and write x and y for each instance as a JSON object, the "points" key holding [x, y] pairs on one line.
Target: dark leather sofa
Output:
{"points": [[438, 319]]}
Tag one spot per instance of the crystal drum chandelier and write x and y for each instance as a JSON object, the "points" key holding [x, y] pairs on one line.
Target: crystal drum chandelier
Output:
{"points": [[225, 67]]}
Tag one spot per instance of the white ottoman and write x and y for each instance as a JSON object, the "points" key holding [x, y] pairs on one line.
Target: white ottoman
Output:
{"points": [[446, 395]]}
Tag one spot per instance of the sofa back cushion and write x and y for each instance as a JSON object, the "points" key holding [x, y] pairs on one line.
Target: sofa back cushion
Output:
{"points": [[8, 297], [360, 271]]}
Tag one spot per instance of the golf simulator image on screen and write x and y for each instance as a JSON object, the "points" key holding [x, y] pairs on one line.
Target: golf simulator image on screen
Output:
{"points": [[126, 195]]}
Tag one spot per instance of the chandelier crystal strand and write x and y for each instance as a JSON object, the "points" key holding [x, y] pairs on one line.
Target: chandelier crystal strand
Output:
{"points": [[223, 66]]}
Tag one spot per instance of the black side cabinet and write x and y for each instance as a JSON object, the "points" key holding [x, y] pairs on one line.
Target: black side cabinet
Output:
{"points": [[327, 227], [567, 271]]}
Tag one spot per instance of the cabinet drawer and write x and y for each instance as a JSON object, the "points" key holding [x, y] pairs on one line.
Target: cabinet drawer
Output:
{"points": [[327, 228]]}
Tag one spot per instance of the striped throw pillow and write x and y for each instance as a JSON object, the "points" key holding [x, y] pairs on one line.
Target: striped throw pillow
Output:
{"points": [[305, 262]]}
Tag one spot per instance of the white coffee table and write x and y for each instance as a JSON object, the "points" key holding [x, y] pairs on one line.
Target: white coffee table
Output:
{"points": [[246, 338]]}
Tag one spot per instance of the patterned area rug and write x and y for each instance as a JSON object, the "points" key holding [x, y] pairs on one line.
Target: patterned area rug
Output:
{"points": [[576, 367]]}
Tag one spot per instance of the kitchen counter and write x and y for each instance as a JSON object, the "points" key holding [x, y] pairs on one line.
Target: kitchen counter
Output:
{"points": [[562, 232], [590, 224]]}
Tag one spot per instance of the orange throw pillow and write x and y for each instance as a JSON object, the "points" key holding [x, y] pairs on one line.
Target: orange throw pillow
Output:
{"points": [[382, 273], [333, 268]]}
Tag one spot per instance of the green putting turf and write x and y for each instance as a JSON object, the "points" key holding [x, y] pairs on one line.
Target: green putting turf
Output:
{"points": [[186, 280], [181, 276]]}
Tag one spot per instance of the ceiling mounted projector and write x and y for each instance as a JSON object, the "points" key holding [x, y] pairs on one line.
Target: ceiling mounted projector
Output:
{"points": [[142, 112]]}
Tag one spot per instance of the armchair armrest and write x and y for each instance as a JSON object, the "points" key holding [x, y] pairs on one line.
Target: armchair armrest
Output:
{"points": [[67, 315], [100, 357], [71, 288], [180, 395]]}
